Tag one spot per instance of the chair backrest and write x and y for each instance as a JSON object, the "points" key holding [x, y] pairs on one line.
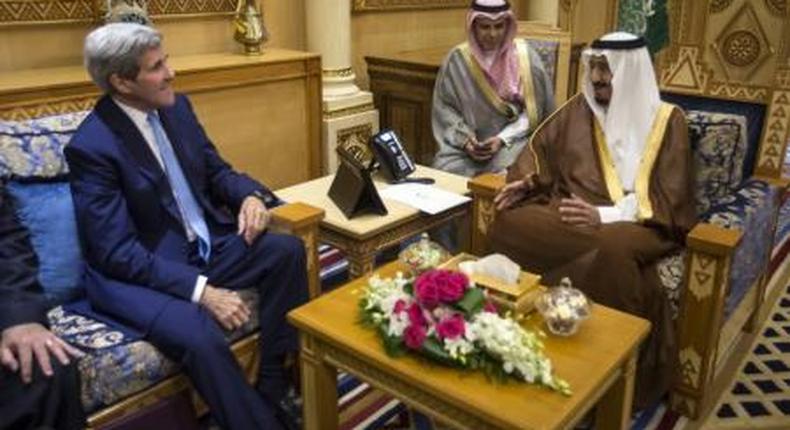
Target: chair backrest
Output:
{"points": [[32, 149], [725, 137], [553, 45]]}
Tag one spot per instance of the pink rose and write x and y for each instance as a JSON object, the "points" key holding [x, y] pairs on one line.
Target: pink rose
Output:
{"points": [[452, 286], [451, 328], [490, 307], [426, 290], [436, 286], [400, 306], [414, 336], [415, 315]]}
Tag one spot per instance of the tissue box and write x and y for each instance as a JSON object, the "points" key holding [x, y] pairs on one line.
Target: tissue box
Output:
{"points": [[519, 297]]}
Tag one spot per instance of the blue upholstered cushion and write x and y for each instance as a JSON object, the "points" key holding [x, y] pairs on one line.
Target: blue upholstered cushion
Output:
{"points": [[116, 367], [34, 148], [719, 143], [750, 209], [46, 210]]}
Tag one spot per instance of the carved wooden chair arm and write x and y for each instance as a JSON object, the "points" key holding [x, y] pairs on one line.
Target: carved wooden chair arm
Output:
{"points": [[483, 188], [710, 251], [302, 220]]}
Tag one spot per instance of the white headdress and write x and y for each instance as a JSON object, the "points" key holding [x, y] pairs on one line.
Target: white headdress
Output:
{"points": [[628, 119]]}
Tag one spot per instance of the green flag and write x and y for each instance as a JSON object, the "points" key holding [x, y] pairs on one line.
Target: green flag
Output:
{"points": [[647, 18]]}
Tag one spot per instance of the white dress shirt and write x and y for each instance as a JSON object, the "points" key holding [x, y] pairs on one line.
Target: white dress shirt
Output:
{"points": [[140, 120]]}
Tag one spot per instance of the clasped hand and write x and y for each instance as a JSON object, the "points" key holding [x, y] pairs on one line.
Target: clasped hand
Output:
{"points": [[225, 306], [21, 343], [482, 151], [253, 219]]}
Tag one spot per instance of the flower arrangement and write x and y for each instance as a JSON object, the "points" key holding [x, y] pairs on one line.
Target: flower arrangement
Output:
{"points": [[445, 318]]}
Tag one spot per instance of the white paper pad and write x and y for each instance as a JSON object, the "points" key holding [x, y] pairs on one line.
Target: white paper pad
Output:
{"points": [[426, 198]]}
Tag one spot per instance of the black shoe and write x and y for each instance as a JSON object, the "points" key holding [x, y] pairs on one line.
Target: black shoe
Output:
{"points": [[288, 411]]}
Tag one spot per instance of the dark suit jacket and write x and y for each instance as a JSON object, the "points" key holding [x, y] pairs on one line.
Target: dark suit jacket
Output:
{"points": [[131, 231], [21, 299]]}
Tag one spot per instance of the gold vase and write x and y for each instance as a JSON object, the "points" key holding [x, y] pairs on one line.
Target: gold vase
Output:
{"points": [[250, 31]]}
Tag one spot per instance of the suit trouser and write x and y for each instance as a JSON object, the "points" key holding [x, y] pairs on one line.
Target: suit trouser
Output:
{"points": [[47, 402], [187, 333]]}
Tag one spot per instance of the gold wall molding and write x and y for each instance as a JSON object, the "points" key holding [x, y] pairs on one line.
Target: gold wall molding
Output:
{"points": [[717, 6], [338, 73], [28, 12], [775, 134], [734, 91], [348, 111], [777, 7], [383, 5], [688, 74]]}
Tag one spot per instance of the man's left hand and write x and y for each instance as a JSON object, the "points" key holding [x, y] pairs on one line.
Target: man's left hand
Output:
{"points": [[576, 211], [253, 218]]}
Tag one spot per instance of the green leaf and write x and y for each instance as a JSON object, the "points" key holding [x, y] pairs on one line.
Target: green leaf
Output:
{"points": [[432, 347], [472, 302], [393, 345]]}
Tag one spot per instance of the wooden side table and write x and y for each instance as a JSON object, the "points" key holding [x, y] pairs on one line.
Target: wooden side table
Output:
{"points": [[362, 237], [599, 362]]}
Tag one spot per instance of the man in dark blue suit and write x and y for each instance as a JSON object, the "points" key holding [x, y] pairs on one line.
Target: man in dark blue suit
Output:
{"points": [[39, 382], [153, 200]]}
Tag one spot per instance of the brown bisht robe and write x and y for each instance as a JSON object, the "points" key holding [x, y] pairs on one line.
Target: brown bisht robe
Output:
{"points": [[614, 264]]}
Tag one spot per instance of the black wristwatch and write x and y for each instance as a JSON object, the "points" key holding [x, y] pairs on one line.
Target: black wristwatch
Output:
{"points": [[265, 199]]}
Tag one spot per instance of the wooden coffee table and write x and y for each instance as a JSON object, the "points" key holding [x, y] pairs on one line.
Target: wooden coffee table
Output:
{"points": [[362, 237], [599, 363]]}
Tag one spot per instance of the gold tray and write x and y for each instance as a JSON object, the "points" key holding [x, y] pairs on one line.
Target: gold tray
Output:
{"points": [[518, 297]]}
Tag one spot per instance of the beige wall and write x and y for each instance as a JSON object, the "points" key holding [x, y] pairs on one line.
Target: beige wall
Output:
{"points": [[373, 33], [38, 46], [388, 32]]}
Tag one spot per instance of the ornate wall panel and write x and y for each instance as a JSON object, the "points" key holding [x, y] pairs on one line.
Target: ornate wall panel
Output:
{"points": [[777, 7], [724, 48], [26, 12], [379, 5], [742, 44]]}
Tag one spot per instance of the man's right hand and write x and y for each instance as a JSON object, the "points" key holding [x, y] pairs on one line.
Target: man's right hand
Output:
{"points": [[225, 306], [21, 344], [513, 192]]}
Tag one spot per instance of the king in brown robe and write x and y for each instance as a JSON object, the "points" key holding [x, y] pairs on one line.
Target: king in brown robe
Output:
{"points": [[601, 193]]}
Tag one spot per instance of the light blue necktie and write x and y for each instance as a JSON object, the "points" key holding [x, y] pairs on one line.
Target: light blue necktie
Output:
{"points": [[178, 183]]}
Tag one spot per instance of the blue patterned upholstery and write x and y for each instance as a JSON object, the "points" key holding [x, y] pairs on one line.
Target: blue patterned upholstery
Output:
{"points": [[116, 367], [751, 210], [34, 148], [720, 146], [719, 143]]}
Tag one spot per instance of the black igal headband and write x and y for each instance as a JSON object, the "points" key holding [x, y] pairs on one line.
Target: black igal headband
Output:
{"points": [[639, 42]]}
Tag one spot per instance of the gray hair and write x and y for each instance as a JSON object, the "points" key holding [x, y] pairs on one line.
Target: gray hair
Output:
{"points": [[116, 49]]}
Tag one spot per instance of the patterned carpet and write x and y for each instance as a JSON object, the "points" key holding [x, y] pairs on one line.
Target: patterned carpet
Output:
{"points": [[759, 395]]}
